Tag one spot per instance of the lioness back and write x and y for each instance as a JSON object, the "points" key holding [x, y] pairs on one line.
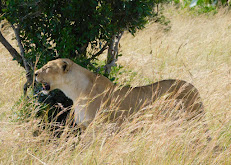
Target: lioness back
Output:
{"points": [[132, 99]]}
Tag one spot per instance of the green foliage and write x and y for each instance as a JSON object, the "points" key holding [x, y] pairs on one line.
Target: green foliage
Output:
{"points": [[200, 6], [115, 70], [64, 28], [24, 109], [207, 9]]}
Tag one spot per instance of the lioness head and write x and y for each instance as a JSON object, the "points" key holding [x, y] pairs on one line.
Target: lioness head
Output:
{"points": [[52, 75]]}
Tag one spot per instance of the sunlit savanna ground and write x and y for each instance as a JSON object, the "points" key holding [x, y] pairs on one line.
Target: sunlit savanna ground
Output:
{"points": [[196, 49]]}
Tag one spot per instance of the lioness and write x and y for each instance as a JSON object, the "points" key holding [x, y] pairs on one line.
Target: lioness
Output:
{"points": [[91, 92]]}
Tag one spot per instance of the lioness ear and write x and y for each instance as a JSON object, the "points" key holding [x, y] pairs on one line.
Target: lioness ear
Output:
{"points": [[65, 66]]}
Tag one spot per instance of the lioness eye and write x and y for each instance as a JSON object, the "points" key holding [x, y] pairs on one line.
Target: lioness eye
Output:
{"points": [[48, 67]]}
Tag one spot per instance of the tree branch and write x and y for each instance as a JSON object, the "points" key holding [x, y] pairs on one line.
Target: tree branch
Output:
{"points": [[16, 56], [28, 69], [99, 52]]}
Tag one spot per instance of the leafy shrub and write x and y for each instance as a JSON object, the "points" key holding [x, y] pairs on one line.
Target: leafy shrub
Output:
{"points": [[51, 29]]}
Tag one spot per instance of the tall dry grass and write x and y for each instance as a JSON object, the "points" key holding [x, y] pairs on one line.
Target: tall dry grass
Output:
{"points": [[196, 49]]}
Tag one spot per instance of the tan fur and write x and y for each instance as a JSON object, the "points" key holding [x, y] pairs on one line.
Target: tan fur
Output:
{"points": [[91, 92]]}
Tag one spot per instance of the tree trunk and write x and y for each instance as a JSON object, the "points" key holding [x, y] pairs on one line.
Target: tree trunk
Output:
{"points": [[20, 58], [113, 50], [28, 69]]}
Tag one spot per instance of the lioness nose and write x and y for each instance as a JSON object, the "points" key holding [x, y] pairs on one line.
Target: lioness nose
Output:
{"points": [[36, 74]]}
